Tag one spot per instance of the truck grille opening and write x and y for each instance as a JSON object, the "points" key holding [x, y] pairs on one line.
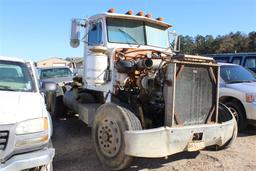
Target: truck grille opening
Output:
{"points": [[3, 139], [191, 93], [195, 95]]}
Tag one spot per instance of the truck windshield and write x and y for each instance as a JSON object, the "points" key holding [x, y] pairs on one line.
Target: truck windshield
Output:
{"points": [[236, 74], [15, 76], [55, 72], [136, 32]]}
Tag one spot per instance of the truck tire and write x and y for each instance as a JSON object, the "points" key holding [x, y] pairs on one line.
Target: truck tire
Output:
{"points": [[58, 108], [239, 114], [48, 101], [111, 121]]}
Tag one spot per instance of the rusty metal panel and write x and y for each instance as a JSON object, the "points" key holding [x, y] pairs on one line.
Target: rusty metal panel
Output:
{"points": [[191, 94], [194, 96], [169, 94]]}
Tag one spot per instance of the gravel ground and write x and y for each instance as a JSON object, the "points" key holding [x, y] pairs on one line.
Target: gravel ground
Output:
{"points": [[75, 152]]}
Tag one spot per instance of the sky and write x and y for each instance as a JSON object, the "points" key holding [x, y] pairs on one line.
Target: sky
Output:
{"points": [[40, 29]]}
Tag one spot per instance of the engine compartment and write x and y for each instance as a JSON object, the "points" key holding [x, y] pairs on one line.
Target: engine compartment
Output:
{"points": [[139, 78], [144, 84]]}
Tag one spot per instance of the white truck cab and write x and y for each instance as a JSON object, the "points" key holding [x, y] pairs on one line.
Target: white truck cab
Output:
{"points": [[141, 98], [25, 124]]}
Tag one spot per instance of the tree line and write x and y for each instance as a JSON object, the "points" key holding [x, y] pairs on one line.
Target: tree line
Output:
{"points": [[229, 43]]}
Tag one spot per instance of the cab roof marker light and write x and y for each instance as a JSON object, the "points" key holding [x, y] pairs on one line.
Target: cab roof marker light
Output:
{"points": [[160, 19], [112, 10], [141, 13], [149, 15], [129, 12]]}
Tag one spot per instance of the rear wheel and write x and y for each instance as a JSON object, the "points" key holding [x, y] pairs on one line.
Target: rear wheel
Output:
{"points": [[58, 108], [111, 121], [239, 114]]}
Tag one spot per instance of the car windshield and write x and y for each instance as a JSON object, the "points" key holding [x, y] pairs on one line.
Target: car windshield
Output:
{"points": [[236, 74], [137, 32], [55, 72], [15, 76]]}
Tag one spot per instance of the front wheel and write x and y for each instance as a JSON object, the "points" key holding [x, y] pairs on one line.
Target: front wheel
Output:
{"points": [[239, 114], [111, 121]]}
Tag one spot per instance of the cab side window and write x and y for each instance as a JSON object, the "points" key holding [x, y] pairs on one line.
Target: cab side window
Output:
{"points": [[250, 62], [237, 60], [95, 34]]}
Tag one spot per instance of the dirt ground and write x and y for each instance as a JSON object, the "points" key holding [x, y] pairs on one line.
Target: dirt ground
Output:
{"points": [[75, 152]]}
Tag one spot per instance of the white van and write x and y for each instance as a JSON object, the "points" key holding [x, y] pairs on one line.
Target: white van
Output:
{"points": [[25, 124]]}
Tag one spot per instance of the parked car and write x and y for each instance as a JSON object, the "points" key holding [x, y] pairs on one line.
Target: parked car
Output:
{"points": [[247, 60], [58, 74], [238, 92], [25, 124], [61, 75]]}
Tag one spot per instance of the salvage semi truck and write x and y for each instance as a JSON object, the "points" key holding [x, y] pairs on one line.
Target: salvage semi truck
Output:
{"points": [[141, 97]]}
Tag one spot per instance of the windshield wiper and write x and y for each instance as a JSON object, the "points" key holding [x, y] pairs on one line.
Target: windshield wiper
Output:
{"points": [[127, 34], [6, 88]]}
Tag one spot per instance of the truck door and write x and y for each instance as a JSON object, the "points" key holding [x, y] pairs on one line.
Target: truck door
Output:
{"points": [[96, 61]]}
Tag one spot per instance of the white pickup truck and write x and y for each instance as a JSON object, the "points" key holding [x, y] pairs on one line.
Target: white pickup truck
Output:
{"points": [[25, 124], [238, 92]]}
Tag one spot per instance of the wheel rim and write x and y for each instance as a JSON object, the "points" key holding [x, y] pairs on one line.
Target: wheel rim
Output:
{"points": [[235, 113], [109, 137]]}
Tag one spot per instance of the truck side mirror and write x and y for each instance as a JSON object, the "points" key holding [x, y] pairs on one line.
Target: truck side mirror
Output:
{"points": [[176, 47], [75, 33], [48, 86], [174, 40]]}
